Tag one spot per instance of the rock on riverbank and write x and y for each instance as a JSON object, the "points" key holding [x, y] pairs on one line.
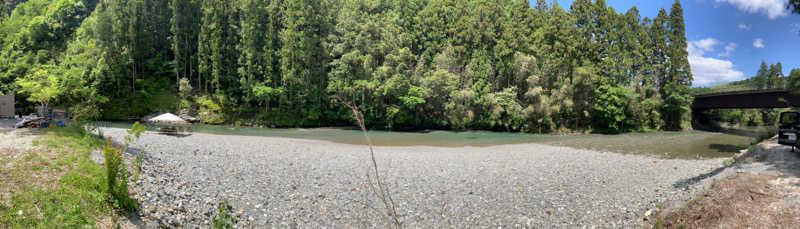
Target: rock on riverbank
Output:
{"points": [[292, 182]]}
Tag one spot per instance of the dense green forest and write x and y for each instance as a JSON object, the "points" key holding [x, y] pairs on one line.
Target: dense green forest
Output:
{"points": [[452, 64], [767, 77]]}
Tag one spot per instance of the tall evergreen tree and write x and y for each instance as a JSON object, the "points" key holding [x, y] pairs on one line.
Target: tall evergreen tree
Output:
{"points": [[679, 76], [658, 40], [217, 53], [762, 75], [185, 27], [302, 55], [255, 57], [779, 77]]}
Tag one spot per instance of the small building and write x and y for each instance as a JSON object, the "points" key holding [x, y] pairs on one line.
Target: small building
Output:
{"points": [[7, 106]]}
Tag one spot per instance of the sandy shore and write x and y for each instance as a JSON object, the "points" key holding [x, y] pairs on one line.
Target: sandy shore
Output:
{"points": [[310, 184]]}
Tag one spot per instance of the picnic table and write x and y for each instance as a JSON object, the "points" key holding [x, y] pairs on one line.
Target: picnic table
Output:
{"points": [[170, 129]]}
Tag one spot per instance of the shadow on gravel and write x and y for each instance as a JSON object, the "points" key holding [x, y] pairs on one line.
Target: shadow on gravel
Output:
{"points": [[776, 157], [685, 183], [175, 135]]}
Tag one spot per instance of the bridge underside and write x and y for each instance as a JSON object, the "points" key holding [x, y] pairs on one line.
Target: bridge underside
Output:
{"points": [[777, 98]]}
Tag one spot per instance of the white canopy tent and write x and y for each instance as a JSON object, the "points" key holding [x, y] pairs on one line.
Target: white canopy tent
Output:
{"points": [[167, 118]]}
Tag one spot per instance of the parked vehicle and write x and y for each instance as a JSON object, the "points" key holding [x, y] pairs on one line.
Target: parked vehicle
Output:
{"points": [[788, 128], [44, 118], [30, 121]]}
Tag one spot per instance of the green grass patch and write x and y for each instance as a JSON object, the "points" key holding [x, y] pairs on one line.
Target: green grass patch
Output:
{"points": [[76, 199], [728, 162]]}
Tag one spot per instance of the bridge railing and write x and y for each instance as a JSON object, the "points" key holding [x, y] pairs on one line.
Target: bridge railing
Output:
{"points": [[728, 91]]}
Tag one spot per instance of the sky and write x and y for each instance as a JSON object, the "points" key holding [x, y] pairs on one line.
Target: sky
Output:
{"points": [[728, 39]]}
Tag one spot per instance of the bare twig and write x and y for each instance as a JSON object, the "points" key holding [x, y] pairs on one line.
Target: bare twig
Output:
{"points": [[383, 191], [444, 206]]}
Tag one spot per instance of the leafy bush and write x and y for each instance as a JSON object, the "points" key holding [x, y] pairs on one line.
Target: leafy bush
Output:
{"points": [[610, 103], [210, 111], [116, 172], [117, 178], [223, 218], [137, 164]]}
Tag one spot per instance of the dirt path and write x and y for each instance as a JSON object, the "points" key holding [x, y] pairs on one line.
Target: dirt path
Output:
{"points": [[761, 190]]}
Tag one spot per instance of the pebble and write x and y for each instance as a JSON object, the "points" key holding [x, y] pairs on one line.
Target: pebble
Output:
{"points": [[274, 183]]}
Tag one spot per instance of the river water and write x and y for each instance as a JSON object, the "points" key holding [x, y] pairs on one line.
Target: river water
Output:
{"points": [[684, 144]]}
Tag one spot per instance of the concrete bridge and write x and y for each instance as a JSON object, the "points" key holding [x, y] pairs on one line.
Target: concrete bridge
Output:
{"points": [[764, 98]]}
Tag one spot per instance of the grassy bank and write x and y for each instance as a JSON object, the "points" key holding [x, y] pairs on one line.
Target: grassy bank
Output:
{"points": [[55, 184]]}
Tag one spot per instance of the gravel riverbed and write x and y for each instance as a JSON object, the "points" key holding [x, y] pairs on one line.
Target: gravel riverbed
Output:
{"points": [[284, 182]]}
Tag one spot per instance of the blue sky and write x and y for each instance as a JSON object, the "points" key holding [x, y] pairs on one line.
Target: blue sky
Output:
{"points": [[728, 39]]}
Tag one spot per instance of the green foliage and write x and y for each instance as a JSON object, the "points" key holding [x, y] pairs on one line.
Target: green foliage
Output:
{"points": [[729, 162], [41, 86], [223, 219], [184, 88], [137, 164], [793, 83], [116, 176], [676, 105], [134, 133], [610, 107], [457, 64], [651, 118], [116, 172], [210, 111], [151, 96]]}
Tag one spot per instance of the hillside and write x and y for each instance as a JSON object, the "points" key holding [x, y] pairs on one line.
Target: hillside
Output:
{"points": [[506, 65]]}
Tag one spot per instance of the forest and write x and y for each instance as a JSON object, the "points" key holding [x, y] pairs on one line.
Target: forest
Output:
{"points": [[505, 65]]}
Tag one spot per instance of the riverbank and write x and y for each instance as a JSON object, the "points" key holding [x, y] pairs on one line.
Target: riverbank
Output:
{"points": [[273, 181], [683, 144], [760, 190]]}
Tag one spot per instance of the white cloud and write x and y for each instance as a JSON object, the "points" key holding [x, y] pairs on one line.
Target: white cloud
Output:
{"points": [[700, 47], [708, 70], [772, 8], [728, 50], [758, 43], [745, 27], [706, 44]]}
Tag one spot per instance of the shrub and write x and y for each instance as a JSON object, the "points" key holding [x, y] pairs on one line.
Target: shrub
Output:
{"points": [[137, 164], [610, 108], [210, 111], [116, 172], [117, 178], [223, 218]]}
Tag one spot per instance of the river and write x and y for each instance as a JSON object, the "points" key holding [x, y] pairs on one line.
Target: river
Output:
{"points": [[692, 144]]}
